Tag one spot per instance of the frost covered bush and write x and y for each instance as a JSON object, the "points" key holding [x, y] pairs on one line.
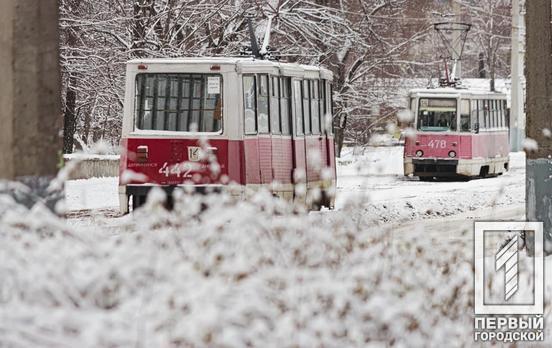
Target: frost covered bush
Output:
{"points": [[220, 273]]}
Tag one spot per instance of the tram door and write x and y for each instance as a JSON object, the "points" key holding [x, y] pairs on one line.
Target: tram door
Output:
{"points": [[314, 141], [263, 121], [299, 149], [251, 143], [282, 147]]}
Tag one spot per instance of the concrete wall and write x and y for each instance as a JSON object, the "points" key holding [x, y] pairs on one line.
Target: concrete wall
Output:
{"points": [[92, 167]]}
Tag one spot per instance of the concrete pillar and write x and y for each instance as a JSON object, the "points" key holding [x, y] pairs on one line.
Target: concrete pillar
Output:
{"points": [[517, 112], [30, 106], [539, 115]]}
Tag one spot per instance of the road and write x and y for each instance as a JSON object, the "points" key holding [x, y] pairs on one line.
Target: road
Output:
{"points": [[371, 184]]}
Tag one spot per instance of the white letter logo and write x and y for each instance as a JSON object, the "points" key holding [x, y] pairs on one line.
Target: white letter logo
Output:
{"points": [[507, 258]]}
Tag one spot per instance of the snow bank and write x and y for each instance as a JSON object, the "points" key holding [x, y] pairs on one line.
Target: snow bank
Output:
{"points": [[370, 160], [372, 180], [264, 277], [95, 193]]}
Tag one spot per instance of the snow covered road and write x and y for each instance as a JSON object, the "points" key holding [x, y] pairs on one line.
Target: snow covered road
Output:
{"points": [[373, 180], [370, 181]]}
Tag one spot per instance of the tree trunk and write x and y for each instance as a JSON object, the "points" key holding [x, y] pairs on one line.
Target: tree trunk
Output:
{"points": [[340, 133], [482, 72], [69, 117], [539, 109]]}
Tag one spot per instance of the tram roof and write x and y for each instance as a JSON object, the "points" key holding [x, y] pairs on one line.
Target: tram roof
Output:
{"points": [[245, 62], [457, 91]]}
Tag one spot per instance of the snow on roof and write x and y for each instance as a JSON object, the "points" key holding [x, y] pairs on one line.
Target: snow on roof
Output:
{"points": [[479, 87], [247, 61]]}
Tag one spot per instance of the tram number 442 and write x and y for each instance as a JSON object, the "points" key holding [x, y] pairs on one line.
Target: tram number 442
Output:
{"points": [[180, 170], [437, 144]]}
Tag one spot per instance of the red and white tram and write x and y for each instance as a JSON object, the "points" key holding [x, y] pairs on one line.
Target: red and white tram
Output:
{"points": [[262, 121], [459, 132]]}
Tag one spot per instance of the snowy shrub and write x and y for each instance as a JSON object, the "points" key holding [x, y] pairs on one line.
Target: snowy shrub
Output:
{"points": [[216, 272]]}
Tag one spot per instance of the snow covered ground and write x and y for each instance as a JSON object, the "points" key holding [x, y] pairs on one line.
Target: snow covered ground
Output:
{"points": [[266, 277], [90, 194], [373, 178]]}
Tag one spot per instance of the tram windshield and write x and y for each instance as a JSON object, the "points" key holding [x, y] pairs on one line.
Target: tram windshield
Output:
{"points": [[179, 102], [437, 115]]}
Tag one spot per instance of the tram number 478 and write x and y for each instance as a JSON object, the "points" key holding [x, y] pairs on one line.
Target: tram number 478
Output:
{"points": [[437, 144]]}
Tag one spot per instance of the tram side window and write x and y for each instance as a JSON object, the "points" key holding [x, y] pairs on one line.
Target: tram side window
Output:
{"points": [[262, 105], [475, 123], [285, 105], [297, 102], [465, 121], [323, 106], [275, 105], [502, 114], [250, 104], [493, 114], [329, 97], [315, 108], [492, 108], [486, 124], [497, 112], [506, 114], [179, 102], [306, 106]]}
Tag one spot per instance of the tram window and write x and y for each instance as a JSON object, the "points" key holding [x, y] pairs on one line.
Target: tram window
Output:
{"points": [[329, 97], [306, 106], [297, 101], [491, 114], [502, 114], [145, 85], [179, 102], [315, 108], [486, 124], [506, 114], [499, 113], [465, 121], [167, 112], [437, 115], [160, 104], [262, 105], [284, 105], [475, 122], [323, 105], [275, 105], [250, 104]]}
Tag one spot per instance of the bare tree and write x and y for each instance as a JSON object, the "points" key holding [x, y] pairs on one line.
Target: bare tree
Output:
{"points": [[492, 23]]}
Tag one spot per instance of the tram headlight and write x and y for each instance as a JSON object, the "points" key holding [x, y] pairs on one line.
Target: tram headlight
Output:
{"points": [[452, 154], [419, 153]]}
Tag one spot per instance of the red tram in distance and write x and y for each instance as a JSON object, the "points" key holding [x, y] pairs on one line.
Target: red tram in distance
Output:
{"points": [[459, 133], [205, 123]]}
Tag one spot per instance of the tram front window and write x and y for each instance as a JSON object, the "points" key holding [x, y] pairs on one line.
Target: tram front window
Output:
{"points": [[179, 102], [437, 115]]}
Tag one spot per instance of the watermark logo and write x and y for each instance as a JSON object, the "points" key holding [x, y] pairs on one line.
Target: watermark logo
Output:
{"points": [[498, 269], [509, 281], [507, 258]]}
